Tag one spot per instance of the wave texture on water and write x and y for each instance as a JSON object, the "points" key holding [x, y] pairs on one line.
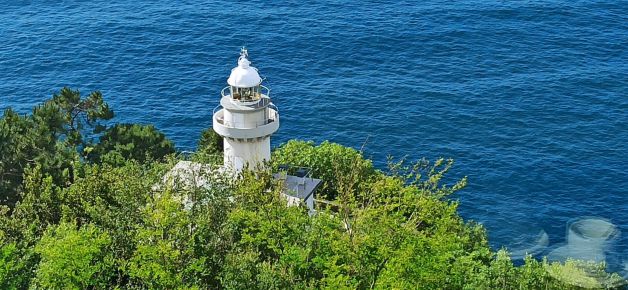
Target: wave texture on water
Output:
{"points": [[530, 98]]}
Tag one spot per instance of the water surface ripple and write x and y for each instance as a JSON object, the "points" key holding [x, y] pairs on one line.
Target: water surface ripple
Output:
{"points": [[529, 97]]}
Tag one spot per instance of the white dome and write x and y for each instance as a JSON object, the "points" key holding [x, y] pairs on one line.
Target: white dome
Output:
{"points": [[244, 76]]}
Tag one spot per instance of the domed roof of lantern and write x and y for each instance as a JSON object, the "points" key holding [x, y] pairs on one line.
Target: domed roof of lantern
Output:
{"points": [[244, 75]]}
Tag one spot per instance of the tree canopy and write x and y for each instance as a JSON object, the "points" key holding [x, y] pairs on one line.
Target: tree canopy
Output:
{"points": [[131, 141], [49, 137], [93, 211]]}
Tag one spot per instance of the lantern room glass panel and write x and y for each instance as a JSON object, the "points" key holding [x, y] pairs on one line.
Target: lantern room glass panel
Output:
{"points": [[246, 94]]}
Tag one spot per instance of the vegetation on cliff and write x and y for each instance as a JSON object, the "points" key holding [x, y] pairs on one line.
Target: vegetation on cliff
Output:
{"points": [[82, 210]]}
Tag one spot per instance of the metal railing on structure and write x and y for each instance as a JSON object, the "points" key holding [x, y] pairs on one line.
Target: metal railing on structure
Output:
{"points": [[298, 171], [264, 92], [273, 115], [321, 205]]}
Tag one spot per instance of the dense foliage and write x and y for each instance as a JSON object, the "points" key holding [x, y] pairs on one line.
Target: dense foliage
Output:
{"points": [[209, 148], [131, 141], [210, 143], [49, 137], [80, 220], [325, 161]]}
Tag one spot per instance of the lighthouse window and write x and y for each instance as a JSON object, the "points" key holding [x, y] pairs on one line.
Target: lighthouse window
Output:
{"points": [[246, 94]]}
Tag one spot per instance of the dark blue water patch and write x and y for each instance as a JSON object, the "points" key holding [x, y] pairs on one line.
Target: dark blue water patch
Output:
{"points": [[530, 98]]}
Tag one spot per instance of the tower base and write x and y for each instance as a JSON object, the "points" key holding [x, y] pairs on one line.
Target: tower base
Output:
{"points": [[242, 153]]}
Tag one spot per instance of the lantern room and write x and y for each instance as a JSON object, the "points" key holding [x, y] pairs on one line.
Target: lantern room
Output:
{"points": [[244, 81]]}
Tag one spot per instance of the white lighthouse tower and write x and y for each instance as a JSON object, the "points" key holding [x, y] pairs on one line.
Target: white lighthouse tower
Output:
{"points": [[245, 118]]}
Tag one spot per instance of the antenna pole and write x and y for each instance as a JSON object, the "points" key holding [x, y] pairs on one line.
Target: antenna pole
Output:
{"points": [[244, 52]]}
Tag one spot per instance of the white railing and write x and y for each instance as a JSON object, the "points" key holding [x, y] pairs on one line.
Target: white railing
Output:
{"points": [[273, 108], [264, 91], [218, 113], [227, 93]]}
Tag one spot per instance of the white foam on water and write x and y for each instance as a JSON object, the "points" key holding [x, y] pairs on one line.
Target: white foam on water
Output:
{"points": [[588, 239], [536, 247]]}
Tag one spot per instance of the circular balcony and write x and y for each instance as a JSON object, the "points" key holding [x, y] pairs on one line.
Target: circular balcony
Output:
{"points": [[235, 130]]}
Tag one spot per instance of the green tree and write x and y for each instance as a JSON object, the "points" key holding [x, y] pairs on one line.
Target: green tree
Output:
{"points": [[122, 222], [74, 258], [182, 240], [80, 113], [209, 148], [162, 245], [112, 198], [270, 240], [210, 142], [327, 161], [50, 137], [131, 141], [23, 227], [12, 267], [24, 143]]}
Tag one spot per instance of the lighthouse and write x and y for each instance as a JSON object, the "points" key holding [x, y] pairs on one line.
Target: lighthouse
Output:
{"points": [[245, 118]]}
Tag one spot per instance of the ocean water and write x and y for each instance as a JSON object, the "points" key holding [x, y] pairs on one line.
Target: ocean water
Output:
{"points": [[529, 97]]}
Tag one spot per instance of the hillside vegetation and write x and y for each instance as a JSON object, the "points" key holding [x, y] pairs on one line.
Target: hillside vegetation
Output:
{"points": [[85, 207]]}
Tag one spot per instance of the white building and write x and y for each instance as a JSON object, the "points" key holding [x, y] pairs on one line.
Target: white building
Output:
{"points": [[245, 118]]}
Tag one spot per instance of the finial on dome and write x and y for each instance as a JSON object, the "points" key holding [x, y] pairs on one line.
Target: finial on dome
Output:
{"points": [[243, 61], [244, 75], [244, 52]]}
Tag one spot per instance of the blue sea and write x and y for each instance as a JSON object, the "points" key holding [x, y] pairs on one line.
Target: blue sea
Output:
{"points": [[529, 97]]}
